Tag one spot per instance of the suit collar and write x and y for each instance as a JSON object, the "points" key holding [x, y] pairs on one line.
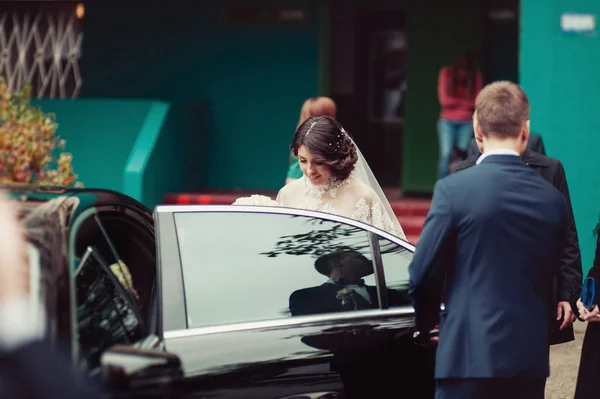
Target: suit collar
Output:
{"points": [[530, 157], [498, 151], [505, 159]]}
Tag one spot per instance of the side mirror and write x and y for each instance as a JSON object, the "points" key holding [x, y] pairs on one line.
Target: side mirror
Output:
{"points": [[127, 367]]}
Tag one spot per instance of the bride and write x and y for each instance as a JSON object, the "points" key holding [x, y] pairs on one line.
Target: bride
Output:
{"points": [[336, 178]]}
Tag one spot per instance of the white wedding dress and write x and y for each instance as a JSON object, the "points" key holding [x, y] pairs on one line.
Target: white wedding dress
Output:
{"points": [[350, 198]]}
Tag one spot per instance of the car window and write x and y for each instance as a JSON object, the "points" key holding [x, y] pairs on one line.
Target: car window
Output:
{"points": [[396, 260], [107, 303], [105, 313], [243, 267]]}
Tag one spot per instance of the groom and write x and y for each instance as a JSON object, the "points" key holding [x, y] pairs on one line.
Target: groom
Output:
{"points": [[489, 248]]}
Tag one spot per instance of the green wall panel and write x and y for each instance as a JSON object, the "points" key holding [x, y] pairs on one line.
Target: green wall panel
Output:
{"points": [[100, 134], [435, 39], [559, 73]]}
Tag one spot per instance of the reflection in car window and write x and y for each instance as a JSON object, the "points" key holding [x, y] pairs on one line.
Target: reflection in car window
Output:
{"points": [[242, 267], [396, 260]]}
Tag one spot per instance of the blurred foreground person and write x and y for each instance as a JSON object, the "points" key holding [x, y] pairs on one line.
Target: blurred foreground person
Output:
{"points": [[29, 367]]}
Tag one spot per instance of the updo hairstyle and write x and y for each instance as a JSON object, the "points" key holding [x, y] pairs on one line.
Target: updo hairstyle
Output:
{"points": [[329, 143]]}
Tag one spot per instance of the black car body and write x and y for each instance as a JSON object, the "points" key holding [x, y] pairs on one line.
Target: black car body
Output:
{"points": [[225, 301]]}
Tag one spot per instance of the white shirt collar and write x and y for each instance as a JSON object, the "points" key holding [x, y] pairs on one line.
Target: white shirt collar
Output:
{"points": [[497, 151]]}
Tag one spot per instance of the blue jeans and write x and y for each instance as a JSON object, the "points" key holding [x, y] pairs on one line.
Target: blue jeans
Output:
{"points": [[452, 134]]}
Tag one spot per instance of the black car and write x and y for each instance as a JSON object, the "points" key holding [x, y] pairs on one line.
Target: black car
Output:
{"points": [[224, 301]]}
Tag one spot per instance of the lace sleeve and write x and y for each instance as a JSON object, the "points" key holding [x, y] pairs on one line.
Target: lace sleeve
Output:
{"points": [[279, 199], [380, 219], [371, 211]]}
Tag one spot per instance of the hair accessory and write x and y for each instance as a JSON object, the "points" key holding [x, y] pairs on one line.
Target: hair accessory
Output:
{"points": [[310, 128]]}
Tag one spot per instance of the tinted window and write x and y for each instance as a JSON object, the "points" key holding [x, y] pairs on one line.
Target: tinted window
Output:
{"points": [[241, 267], [108, 302], [396, 260], [105, 311]]}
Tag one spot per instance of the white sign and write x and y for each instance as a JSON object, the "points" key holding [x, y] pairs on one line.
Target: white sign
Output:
{"points": [[578, 23]]}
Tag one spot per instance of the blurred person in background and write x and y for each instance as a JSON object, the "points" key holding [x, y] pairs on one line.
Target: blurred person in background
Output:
{"points": [[589, 365], [29, 367], [458, 85], [316, 106]]}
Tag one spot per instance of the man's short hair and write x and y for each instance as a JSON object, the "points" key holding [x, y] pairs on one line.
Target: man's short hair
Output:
{"points": [[502, 109]]}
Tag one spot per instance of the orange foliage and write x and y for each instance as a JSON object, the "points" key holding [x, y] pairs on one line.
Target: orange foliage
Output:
{"points": [[30, 152]]}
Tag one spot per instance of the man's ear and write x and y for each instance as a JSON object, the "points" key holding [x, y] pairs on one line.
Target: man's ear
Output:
{"points": [[526, 132], [478, 133]]}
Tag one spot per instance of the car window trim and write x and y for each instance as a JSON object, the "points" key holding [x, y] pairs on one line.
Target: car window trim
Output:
{"points": [[296, 321], [379, 272], [171, 296], [95, 212], [74, 230], [160, 209]]}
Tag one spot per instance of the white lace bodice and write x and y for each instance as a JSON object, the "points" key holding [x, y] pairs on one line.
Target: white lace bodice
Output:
{"points": [[350, 198]]}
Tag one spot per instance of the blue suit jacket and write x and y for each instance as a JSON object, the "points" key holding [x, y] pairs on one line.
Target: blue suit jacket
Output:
{"points": [[490, 246]]}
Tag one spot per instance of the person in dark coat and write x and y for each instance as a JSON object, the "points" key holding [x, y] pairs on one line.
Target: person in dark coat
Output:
{"points": [[345, 289], [589, 365], [567, 281]]}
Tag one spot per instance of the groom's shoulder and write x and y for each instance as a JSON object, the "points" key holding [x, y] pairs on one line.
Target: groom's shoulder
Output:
{"points": [[468, 179]]}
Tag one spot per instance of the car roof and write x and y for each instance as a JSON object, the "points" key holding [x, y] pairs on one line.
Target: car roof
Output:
{"points": [[31, 196]]}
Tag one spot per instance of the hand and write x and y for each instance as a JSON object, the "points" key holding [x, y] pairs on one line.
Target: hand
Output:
{"points": [[435, 334], [14, 268], [564, 309], [426, 339], [593, 316]]}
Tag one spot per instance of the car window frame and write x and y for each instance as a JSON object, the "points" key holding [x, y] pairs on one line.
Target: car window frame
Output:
{"points": [[170, 270], [74, 229]]}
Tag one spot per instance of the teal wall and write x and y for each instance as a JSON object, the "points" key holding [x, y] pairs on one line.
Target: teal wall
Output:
{"points": [[560, 74], [255, 78], [132, 146], [100, 134], [163, 165]]}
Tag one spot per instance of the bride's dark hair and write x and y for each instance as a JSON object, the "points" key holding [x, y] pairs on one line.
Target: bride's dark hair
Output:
{"points": [[327, 141]]}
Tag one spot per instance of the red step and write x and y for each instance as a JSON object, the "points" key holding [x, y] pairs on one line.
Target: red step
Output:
{"points": [[209, 198], [412, 225], [413, 239]]}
